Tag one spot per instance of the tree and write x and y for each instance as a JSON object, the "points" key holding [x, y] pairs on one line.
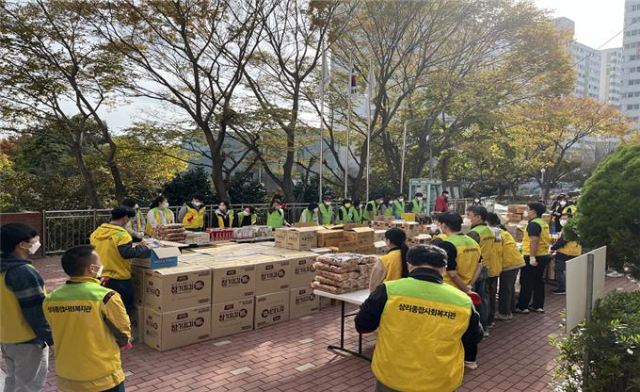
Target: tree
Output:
{"points": [[189, 55], [247, 190], [185, 185], [49, 61], [553, 127], [609, 209]]}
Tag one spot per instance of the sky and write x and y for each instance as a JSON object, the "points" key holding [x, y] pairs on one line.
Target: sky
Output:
{"points": [[596, 20]]}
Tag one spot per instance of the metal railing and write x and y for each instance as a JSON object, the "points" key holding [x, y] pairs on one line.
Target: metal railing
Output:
{"points": [[64, 229]]}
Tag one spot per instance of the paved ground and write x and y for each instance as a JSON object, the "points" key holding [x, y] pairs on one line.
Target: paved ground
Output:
{"points": [[293, 357]]}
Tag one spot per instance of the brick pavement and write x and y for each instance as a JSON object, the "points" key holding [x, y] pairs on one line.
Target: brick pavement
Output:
{"points": [[292, 356]]}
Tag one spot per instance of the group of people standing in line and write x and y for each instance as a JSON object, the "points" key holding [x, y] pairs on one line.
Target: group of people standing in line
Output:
{"points": [[445, 297]]}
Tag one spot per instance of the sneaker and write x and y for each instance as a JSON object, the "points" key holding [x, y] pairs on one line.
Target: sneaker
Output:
{"points": [[537, 310], [615, 274], [500, 316], [486, 334], [522, 311], [559, 292], [471, 365], [493, 325]]}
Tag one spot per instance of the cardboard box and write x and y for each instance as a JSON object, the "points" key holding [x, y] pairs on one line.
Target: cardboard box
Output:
{"points": [[366, 250], [364, 235], [302, 271], [232, 282], [160, 258], [302, 302], [137, 323], [273, 276], [280, 236], [321, 251], [515, 218], [271, 309], [329, 238], [378, 235], [302, 239], [350, 226], [137, 279], [409, 217], [165, 331], [381, 247], [232, 317], [516, 208], [347, 247], [171, 289]]}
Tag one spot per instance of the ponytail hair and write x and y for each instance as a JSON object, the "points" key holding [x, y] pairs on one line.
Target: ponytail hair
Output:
{"points": [[398, 239]]}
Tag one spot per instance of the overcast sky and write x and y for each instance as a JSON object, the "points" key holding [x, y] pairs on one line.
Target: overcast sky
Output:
{"points": [[596, 20]]}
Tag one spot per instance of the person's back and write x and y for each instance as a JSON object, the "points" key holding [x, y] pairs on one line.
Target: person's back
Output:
{"points": [[467, 257], [89, 324]]}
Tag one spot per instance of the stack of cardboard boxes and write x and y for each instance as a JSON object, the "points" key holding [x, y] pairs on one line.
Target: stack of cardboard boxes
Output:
{"points": [[348, 238], [216, 292]]}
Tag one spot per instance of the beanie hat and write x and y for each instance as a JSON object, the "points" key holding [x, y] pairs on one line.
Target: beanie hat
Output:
{"points": [[12, 234]]}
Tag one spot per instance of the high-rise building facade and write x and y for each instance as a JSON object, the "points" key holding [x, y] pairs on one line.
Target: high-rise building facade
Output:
{"points": [[630, 99], [611, 65]]}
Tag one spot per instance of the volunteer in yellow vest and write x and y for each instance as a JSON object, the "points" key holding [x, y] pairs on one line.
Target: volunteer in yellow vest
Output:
{"points": [[399, 206], [275, 215], [223, 216], [247, 217], [512, 262], [191, 214], [24, 332], [486, 237], [325, 211], [310, 214], [159, 214], [417, 204], [90, 325], [393, 265], [423, 324], [345, 213], [114, 244], [373, 209], [138, 224], [565, 249], [535, 247]]}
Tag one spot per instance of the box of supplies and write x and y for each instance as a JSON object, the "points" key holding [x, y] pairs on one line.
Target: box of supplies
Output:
{"points": [[350, 226], [381, 247], [232, 281], [271, 309], [303, 238], [232, 317], [302, 302], [321, 251], [171, 289], [409, 217], [378, 235], [515, 218], [280, 236], [165, 331], [137, 323], [516, 208], [302, 270], [273, 276], [137, 279], [360, 235], [329, 238], [165, 257]]}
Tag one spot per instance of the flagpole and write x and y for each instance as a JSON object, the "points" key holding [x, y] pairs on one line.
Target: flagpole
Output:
{"points": [[346, 153], [322, 87]]}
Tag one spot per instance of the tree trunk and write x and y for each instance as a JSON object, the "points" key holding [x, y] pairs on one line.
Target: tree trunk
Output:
{"points": [[89, 182]]}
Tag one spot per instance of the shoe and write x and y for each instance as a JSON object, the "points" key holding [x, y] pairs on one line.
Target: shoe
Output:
{"points": [[486, 334], [500, 316], [615, 274], [522, 311], [537, 310], [493, 325], [559, 292], [471, 365]]}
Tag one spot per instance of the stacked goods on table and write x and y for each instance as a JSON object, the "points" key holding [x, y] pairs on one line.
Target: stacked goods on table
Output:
{"points": [[197, 238], [340, 273], [220, 235], [252, 233], [383, 222], [516, 212], [173, 232], [420, 239], [298, 238]]}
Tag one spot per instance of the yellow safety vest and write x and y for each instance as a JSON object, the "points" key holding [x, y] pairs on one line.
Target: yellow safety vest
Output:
{"points": [[87, 354], [106, 240], [543, 244], [571, 248], [392, 262], [221, 224], [14, 327], [241, 215], [511, 256], [488, 247], [194, 219], [419, 341], [468, 256], [156, 214]]}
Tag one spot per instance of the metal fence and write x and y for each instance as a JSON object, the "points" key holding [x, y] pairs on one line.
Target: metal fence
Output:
{"points": [[64, 229]]}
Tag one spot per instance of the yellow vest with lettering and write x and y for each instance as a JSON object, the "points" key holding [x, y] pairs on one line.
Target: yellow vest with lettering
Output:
{"points": [[156, 214], [14, 327], [392, 262], [467, 259], [543, 244], [488, 247], [87, 354], [194, 219], [106, 240], [511, 256], [419, 341]]}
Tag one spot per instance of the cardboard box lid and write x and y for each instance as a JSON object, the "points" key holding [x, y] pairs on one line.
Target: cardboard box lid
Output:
{"points": [[334, 227], [178, 270], [362, 230], [379, 244], [308, 228], [163, 253]]}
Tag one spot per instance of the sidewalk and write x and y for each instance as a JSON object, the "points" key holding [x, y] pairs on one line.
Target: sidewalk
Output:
{"points": [[292, 356]]}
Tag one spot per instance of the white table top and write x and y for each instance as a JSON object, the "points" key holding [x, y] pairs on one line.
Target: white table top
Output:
{"points": [[355, 297]]}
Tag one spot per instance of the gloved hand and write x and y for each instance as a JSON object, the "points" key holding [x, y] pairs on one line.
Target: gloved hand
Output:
{"points": [[475, 298]]}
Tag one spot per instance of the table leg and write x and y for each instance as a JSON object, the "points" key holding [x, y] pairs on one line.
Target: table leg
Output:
{"points": [[341, 347]]}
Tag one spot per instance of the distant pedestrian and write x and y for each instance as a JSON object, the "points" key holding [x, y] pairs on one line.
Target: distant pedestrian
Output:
{"points": [[442, 202], [564, 250]]}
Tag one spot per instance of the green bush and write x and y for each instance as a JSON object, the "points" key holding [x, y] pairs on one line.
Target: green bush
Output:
{"points": [[612, 339], [609, 209]]}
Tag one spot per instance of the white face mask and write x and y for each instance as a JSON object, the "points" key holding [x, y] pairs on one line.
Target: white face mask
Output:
{"points": [[419, 198], [136, 207], [433, 227], [347, 205], [247, 212], [525, 214], [327, 203], [477, 200], [401, 200], [165, 205], [197, 203], [563, 203], [100, 269], [315, 210], [34, 247], [563, 222]]}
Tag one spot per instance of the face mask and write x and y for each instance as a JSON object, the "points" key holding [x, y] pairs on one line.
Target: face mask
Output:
{"points": [[563, 203], [433, 227], [246, 212], [418, 198], [361, 205], [347, 205], [34, 247], [100, 269], [165, 205], [197, 203], [525, 214], [316, 210], [401, 200], [136, 206], [563, 222], [327, 203], [477, 200]]}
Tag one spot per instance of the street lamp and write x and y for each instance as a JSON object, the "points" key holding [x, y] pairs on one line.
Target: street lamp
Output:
{"points": [[404, 147], [542, 171]]}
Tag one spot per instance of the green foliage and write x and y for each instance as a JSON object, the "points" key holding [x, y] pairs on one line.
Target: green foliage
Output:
{"points": [[184, 185], [308, 192], [612, 340], [610, 209], [247, 190]]}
